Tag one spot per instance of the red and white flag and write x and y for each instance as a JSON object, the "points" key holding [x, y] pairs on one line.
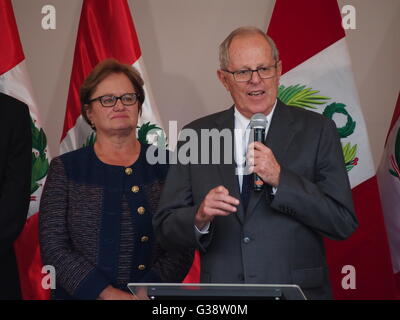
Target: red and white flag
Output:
{"points": [[14, 81], [317, 75], [389, 186], [106, 30]]}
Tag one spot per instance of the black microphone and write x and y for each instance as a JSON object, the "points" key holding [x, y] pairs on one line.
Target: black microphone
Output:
{"points": [[258, 124]]}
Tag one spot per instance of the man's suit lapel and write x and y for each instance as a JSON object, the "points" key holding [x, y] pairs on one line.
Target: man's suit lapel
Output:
{"points": [[280, 135], [228, 171]]}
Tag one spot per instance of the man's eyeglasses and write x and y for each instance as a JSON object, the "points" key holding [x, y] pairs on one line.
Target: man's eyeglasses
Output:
{"points": [[127, 99], [246, 75]]}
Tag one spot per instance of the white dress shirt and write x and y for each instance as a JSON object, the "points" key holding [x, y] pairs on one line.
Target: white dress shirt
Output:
{"points": [[241, 138], [242, 132]]}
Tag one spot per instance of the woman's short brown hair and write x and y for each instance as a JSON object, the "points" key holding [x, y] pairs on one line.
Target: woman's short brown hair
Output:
{"points": [[99, 73]]}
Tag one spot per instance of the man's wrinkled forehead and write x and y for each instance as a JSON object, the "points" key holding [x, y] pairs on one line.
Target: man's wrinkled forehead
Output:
{"points": [[242, 45]]}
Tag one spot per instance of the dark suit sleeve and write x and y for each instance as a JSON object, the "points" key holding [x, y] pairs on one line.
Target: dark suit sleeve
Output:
{"points": [[174, 220], [16, 172], [168, 265], [325, 204]]}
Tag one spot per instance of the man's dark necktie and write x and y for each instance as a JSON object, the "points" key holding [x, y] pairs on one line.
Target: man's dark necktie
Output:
{"points": [[247, 187], [247, 178], [246, 190]]}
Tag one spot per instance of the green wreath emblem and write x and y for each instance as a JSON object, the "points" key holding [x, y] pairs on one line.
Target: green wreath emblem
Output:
{"points": [[144, 132], [302, 97], [349, 154], [90, 140], [146, 129], [40, 163], [350, 125], [395, 159]]}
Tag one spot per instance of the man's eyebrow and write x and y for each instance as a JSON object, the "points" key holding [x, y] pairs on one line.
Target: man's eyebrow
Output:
{"points": [[261, 65]]}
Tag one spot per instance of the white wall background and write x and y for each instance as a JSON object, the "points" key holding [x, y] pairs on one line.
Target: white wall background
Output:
{"points": [[179, 41]]}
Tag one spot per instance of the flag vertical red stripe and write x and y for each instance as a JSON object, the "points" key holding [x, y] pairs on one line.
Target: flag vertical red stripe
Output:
{"points": [[302, 30], [370, 258], [193, 275], [11, 52], [29, 261]]}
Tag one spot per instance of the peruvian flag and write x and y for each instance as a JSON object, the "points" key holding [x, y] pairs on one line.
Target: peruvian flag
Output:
{"points": [[317, 75], [389, 187], [106, 30], [14, 81]]}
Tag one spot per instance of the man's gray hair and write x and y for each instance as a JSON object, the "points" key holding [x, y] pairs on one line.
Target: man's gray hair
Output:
{"points": [[243, 31]]}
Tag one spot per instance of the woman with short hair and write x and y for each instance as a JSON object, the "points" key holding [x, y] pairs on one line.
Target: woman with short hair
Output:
{"points": [[97, 204]]}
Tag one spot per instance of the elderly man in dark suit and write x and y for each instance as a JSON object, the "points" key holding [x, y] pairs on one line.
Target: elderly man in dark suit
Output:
{"points": [[15, 182], [276, 235]]}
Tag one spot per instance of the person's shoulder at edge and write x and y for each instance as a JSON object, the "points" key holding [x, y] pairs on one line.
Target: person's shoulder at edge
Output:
{"points": [[18, 107]]}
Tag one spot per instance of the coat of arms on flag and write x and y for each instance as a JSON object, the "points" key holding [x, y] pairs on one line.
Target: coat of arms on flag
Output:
{"points": [[389, 186], [395, 157], [302, 97]]}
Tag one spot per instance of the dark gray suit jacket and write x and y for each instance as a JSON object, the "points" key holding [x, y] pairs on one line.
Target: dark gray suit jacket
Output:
{"points": [[278, 240], [15, 187]]}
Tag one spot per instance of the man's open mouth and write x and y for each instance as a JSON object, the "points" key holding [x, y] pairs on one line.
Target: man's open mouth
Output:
{"points": [[256, 93]]}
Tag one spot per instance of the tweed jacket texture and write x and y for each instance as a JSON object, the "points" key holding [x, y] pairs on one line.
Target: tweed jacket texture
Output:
{"points": [[95, 225]]}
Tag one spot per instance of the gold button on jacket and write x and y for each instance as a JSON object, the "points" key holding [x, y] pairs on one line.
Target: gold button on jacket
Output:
{"points": [[135, 189], [141, 267], [141, 210], [128, 171]]}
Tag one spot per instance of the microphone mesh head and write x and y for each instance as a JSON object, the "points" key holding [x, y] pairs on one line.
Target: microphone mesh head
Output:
{"points": [[259, 121]]}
